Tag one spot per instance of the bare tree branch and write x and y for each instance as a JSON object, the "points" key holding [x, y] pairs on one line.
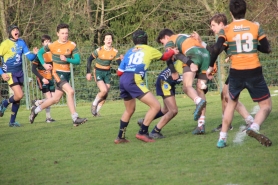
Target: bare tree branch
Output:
{"points": [[30, 17], [96, 18], [144, 18], [261, 11], [123, 5], [115, 16]]}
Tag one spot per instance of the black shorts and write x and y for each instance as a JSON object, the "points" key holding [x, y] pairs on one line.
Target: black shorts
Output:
{"points": [[50, 87], [255, 85], [227, 80]]}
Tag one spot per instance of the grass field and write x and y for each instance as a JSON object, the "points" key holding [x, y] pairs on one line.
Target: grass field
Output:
{"points": [[58, 153]]}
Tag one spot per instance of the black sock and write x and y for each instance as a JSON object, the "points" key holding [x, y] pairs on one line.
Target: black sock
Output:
{"points": [[122, 130], [15, 108], [156, 130], [158, 115], [143, 129]]}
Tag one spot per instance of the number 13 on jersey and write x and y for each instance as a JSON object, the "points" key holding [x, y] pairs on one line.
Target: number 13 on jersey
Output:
{"points": [[244, 42]]}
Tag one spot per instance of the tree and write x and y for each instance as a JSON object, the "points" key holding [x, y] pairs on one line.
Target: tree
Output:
{"points": [[3, 24]]}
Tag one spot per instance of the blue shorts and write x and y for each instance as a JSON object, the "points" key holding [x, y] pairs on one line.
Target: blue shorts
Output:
{"points": [[132, 86], [256, 87], [16, 78], [164, 88]]}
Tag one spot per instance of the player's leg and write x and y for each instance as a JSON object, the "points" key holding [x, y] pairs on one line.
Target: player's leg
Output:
{"points": [[70, 102], [107, 81], [259, 92], [47, 95], [15, 82], [62, 86], [262, 114], [202, 58], [265, 109], [226, 122], [163, 89], [129, 102], [48, 102], [139, 90], [224, 97], [169, 110], [41, 86], [50, 94], [188, 79], [103, 99], [18, 95], [101, 78], [172, 110], [45, 89], [154, 107], [102, 92], [241, 109], [236, 85], [100, 104], [129, 110], [201, 89], [224, 100]]}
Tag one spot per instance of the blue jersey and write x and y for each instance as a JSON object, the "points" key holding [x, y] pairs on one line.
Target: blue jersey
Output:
{"points": [[166, 74], [11, 53], [137, 60]]}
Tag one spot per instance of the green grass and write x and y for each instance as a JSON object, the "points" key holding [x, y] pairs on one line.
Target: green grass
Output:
{"points": [[58, 153]]}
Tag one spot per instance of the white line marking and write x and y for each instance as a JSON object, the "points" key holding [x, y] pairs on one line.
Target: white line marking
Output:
{"points": [[255, 109], [239, 138]]}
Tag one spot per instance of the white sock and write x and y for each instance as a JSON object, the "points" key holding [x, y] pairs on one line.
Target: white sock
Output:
{"points": [[38, 109], [99, 107], [96, 101], [255, 126], [74, 116], [201, 121], [39, 102], [197, 100], [47, 111], [223, 136], [249, 120]]}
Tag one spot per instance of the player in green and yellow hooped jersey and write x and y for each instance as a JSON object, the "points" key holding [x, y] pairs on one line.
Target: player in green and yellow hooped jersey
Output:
{"points": [[103, 56], [200, 56], [64, 52]]}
